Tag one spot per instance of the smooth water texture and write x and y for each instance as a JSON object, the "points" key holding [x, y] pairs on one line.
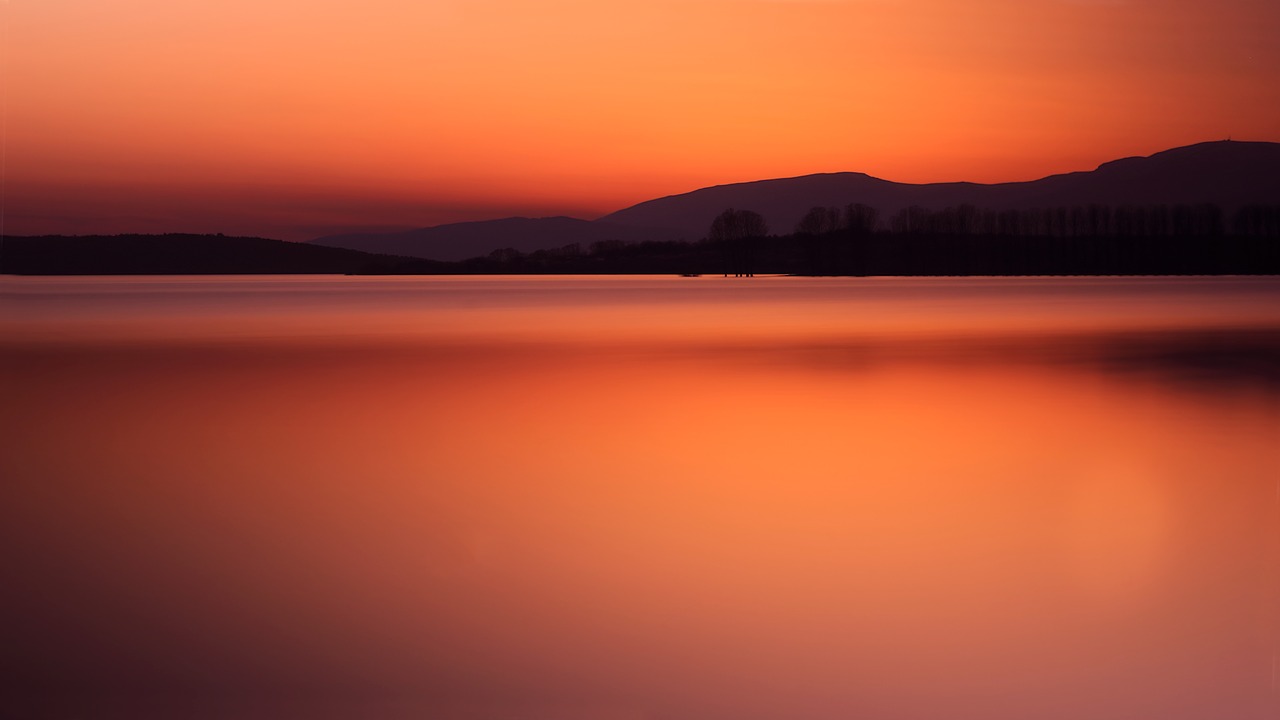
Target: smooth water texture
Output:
{"points": [[660, 498]]}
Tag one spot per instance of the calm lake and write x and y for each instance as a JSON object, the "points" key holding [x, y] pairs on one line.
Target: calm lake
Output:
{"points": [[638, 498]]}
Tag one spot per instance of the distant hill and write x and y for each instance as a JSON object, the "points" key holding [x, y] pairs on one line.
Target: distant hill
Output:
{"points": [[459, 241], [176, 255], [1227, 173]]}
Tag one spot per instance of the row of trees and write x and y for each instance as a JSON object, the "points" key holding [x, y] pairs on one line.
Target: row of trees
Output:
{"points": [[1092, 240], [738, 232], [1076, 221], [855, 219]]}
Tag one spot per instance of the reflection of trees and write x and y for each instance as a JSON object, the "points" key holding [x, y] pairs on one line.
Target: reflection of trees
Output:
{"points": [[737, 232]]}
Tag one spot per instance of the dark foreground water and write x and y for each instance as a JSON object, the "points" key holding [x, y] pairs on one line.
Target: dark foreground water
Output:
{"points": [[633, 498]]}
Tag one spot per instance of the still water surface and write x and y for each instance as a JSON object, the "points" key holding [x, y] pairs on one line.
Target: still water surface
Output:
{"points": [[640, 498]]}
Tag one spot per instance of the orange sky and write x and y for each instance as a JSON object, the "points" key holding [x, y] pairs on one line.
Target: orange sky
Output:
{"points": [[293, 119]]}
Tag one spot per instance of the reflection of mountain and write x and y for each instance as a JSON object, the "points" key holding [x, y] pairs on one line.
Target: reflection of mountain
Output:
{"points": [[459, 241], [1228, 174]]}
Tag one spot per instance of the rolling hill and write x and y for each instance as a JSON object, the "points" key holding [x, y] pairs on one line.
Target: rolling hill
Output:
{"points": [[176, 254], [1226, 173], [460, 241]]}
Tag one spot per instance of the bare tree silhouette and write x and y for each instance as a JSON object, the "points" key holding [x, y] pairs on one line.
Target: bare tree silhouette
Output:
{"points": [[737, 232]]}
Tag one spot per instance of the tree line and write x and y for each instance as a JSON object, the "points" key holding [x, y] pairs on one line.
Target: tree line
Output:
{"points": [[1095, 220], [961, 240], [1068, 240]]}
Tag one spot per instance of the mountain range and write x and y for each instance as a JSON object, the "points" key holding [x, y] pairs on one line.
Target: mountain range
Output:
{"points": [[1225, 173], [460, 241]]}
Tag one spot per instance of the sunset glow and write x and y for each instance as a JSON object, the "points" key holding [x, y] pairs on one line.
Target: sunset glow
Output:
{"points": [[293, 119]]}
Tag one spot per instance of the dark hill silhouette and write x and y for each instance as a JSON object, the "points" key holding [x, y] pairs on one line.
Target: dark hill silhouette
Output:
{"points": [[459, 241], [177, 254], [1226, 173]]}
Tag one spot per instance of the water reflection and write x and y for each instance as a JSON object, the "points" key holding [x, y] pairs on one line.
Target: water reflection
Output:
{"points": [[1045, 523]]}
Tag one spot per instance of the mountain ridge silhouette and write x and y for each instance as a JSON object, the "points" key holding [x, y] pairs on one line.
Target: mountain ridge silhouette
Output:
{"points": [[460, 241], [1227, 173]]}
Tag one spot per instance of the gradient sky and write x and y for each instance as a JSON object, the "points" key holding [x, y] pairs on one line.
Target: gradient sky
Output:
{"points": [[293, 118]]}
